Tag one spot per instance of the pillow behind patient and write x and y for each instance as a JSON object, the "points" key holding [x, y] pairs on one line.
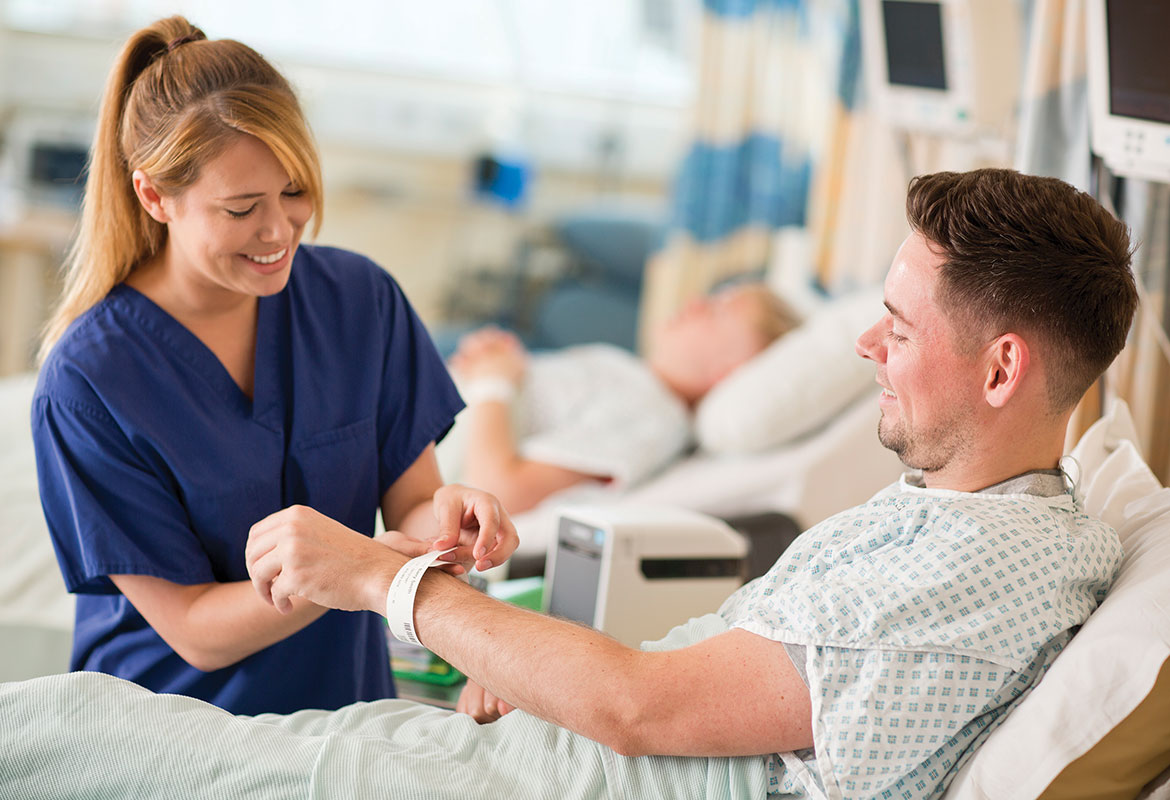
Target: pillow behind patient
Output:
{"points": [[797, 384], [1096, 725]]}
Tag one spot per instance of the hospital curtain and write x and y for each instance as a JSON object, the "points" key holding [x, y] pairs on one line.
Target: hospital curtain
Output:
{"points": [[857, 209], [1054, 140], [767, 88]]}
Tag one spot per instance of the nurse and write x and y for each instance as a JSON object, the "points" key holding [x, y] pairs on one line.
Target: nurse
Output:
{"points": [[205, 369]]}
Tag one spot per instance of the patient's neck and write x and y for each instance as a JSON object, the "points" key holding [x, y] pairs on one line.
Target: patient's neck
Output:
{"points": [[686, 386], [1001, 455]]}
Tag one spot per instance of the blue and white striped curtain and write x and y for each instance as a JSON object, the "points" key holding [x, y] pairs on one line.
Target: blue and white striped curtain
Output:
{"points": [[767, 93], [1054, 140]]}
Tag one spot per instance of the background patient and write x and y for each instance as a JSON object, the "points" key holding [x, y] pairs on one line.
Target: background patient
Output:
{"points": [[539, 423]]}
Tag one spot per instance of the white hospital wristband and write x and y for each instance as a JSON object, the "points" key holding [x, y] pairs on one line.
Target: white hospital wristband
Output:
{"points": [[489, 390], [400, 597]]}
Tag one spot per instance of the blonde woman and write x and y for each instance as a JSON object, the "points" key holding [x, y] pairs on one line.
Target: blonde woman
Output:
{"points": [[205, 369]]}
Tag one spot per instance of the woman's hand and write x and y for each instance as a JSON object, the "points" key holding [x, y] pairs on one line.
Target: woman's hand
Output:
{"points": [[480, 704], [471, 521], [300, 552]]}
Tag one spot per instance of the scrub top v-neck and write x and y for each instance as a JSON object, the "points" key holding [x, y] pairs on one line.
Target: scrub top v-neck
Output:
{"points": [[152, 461]]}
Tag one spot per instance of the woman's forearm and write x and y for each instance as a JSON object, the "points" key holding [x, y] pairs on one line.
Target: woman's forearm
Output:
{"points": [[213, 625]]}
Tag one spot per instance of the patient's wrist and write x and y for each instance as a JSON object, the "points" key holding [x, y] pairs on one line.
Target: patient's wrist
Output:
{"points": [[400, 594], [489, 389]]}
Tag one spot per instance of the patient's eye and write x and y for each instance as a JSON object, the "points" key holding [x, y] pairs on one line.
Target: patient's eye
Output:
{"points": [[242, 214], [895, 337]]}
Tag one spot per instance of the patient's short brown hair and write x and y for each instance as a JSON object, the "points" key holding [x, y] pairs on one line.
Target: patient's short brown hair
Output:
{"points": [[1035, 256]]}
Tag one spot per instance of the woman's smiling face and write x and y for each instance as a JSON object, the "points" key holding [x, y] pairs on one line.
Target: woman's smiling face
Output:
{"points": [[236, 228]]}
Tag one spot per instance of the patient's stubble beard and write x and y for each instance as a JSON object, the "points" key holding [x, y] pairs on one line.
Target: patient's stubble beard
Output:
{"points": [[930, 450]]}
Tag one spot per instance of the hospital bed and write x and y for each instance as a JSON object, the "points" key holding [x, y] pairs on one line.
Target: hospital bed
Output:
{"points": [[786, 440], [1098, 725]]}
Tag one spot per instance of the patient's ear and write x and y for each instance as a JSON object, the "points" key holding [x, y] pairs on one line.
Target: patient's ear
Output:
{"points": [[1007, 365]]}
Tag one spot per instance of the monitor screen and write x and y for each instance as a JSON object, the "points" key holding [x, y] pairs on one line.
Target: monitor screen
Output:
{"points": [[577, 572], [914, 44], [1139, 78]]}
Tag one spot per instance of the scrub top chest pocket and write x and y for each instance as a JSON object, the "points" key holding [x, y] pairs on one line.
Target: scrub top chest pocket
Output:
{"points": [[335, 471]]}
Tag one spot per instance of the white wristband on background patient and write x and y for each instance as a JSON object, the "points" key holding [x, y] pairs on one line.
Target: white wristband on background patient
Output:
{"points": [[489, 390], [400, 598]]}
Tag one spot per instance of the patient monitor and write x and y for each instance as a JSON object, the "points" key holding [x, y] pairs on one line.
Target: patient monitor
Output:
{"points": [[635, 572], [944, 66], [1129, 86]]}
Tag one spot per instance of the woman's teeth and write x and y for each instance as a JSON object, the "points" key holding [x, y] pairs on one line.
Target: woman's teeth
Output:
{"points": [[272, 259]]}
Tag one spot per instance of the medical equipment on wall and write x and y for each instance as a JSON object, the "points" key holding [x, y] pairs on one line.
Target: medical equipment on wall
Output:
{"points": [[635, 572], [1129, 86], [944, 66]]}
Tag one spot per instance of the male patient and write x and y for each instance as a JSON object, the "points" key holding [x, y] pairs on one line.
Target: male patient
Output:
{"points": [[536, 424], [871, 661]]}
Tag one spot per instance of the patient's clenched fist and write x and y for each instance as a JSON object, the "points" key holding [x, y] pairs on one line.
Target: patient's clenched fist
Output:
{"points": [[480, 704]]}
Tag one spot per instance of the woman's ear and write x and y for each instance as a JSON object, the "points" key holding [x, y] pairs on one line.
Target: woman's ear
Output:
{"points": [[1007, 366], [151, 200]]}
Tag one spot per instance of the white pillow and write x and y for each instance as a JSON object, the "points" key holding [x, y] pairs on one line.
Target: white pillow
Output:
{"points": [[800, 382], [1112, 663]]}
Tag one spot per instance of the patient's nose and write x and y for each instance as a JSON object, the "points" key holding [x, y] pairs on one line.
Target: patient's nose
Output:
{"points": [[871, 343]]}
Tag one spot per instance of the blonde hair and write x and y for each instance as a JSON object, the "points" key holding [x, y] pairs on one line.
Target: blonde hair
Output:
{"points": [[775, 317], [173, 101]]}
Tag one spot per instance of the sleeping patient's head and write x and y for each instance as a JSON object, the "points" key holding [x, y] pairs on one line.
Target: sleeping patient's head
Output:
{"points": [[712, 335]]}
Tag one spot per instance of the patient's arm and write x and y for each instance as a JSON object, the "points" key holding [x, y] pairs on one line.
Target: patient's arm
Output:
{"points": [[492, 463], [734, 694]]}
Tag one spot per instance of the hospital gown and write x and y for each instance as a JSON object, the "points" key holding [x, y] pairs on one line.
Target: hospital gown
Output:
{"points": [[924, 616], [595, 409]]}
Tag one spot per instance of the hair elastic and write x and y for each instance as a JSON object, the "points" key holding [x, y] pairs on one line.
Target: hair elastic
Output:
{"points": [[182, 40]]}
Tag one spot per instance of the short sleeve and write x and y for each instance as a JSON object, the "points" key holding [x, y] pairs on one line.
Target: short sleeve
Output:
{"points": [[108, 513], [418, 400]]}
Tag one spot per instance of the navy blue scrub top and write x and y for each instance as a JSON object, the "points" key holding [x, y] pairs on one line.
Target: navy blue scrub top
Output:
{"points": [[151, 461]]}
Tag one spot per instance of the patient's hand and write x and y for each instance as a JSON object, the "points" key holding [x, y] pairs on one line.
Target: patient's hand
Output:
{"points": [[490, 353], [480, 704]]}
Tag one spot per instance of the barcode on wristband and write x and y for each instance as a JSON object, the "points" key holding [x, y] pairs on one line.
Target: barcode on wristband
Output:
{"points": [[400, 597]]}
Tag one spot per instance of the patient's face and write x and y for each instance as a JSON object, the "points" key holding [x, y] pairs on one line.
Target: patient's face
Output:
{"points": [[930, 389], [709, 338]]}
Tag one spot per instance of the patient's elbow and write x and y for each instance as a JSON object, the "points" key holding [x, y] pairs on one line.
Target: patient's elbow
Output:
{"points": [[628, 727], [629, 745]]}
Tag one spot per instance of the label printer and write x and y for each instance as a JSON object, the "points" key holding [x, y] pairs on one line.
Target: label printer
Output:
{"points": [[635, 572]]}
